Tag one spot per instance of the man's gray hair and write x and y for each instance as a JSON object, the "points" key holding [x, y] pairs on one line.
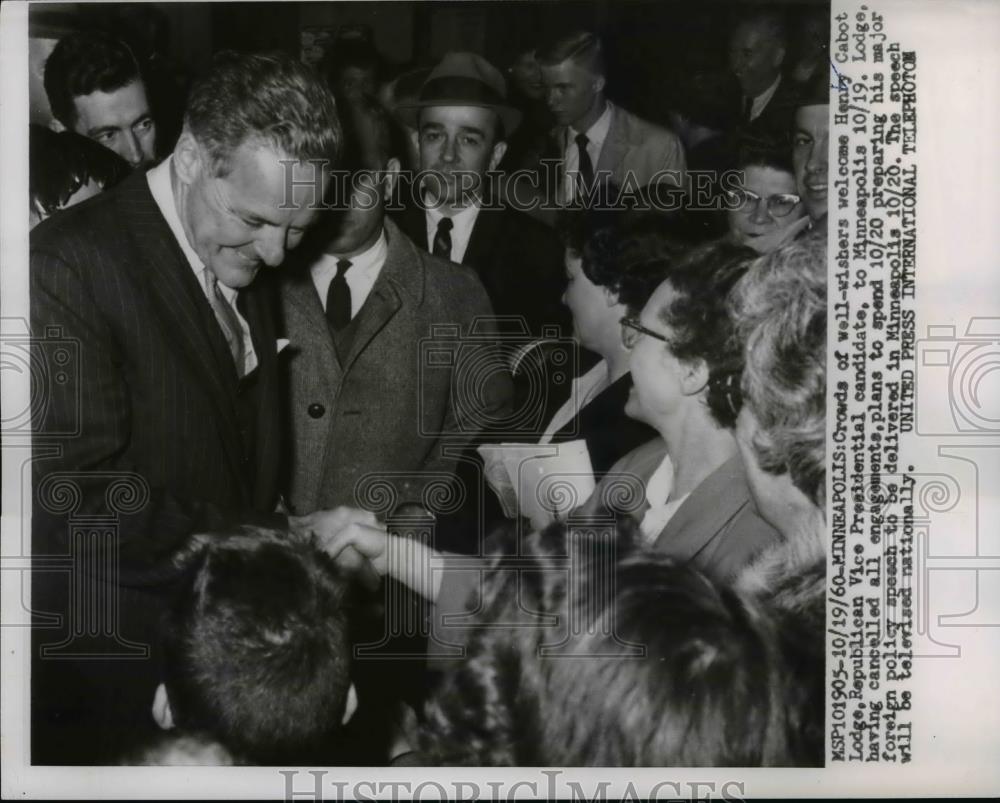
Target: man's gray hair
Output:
{"points": [[268, 99]]}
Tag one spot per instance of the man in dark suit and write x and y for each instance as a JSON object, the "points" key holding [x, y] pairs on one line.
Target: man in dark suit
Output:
{"points": [[462, 118], [368, 401], [763, 101], [167, 423]]}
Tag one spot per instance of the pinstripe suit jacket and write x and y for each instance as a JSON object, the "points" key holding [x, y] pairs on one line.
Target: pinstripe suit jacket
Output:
{"points": [[150, 395]]}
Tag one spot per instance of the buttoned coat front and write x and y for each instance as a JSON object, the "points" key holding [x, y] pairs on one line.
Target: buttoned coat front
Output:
{"points": [[384, 422]]}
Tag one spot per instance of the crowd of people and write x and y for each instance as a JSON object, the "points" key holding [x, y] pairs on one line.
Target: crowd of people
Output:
{"points": [[296, 323]]}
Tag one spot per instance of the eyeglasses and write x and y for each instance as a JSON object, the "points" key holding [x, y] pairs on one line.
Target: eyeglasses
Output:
{"points": [[778, 205], [631, 329]]}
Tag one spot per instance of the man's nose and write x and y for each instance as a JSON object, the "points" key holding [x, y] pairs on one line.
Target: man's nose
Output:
{"points": [[450, 151], [270, 247], [550, 98], [132, 152]]}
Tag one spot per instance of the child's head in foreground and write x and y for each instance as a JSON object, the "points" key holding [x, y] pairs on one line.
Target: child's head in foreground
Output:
{"points": [[257, 649]]}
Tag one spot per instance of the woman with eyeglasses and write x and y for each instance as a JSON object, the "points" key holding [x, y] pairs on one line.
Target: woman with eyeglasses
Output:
{"points": [[765, 211], [691, 499]]}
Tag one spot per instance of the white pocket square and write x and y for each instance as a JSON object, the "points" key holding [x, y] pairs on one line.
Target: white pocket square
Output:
{"points": [[283, 343]]}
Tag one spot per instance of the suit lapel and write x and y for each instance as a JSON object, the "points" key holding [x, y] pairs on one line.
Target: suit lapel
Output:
{"points": [[706, 511], [268, 414], [479, 251], [178, 302], [403, 271], [616, 144], [307, 326]]}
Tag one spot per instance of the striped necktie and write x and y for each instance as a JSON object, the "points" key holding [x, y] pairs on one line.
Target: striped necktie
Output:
{"points": [[228, 322]]}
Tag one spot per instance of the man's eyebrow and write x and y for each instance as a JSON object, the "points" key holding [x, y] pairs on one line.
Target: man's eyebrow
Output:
{"points": [[470, 129], [146, 115], [104, 129]]}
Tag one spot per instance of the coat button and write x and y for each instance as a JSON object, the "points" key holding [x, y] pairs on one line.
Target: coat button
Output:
{"points": [[316, 410]]}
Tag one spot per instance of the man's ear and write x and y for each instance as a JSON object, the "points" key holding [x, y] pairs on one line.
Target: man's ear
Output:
{"points": [[414, 135], [779, 56], [694, 376], [599, 82], [162, 714], [189, 159], [390, 175], [350, 706], [498, 151], [610, 297]]}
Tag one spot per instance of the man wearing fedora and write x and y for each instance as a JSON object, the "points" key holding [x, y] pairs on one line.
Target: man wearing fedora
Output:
{"points": [[461, 119], [595, 142]]}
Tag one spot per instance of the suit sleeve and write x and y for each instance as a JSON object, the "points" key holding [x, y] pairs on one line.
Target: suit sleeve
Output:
{"points": [[83, 419]]}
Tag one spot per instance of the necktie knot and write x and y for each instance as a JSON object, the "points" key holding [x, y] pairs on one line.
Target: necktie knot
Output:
{"points": [[582, 141], [338, 298], [441, 246]]}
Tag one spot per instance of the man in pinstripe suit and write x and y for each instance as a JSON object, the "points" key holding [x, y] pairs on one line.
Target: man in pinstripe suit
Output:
{"points": [[169, 424]]}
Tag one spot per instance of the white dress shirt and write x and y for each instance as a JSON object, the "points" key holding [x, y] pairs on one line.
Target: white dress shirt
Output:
{"points": [[361, 276], [760, 101], [162, 191], [658, 490], [461, 231], [596, 135]]}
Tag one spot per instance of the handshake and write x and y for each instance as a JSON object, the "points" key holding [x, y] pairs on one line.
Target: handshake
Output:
{"points": [[360, 544]]}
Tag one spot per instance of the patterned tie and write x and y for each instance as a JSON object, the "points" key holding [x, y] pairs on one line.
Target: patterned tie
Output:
{"points": [[228, 322], [442, 239], [338, 298], [585, 177]]}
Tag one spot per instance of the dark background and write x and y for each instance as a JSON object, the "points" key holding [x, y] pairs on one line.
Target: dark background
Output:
{"points": [[651, 45]]}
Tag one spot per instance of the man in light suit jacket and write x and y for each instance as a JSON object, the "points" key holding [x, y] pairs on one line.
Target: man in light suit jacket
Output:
{"points": [[597, 143], [161, 420], [376, 387]]}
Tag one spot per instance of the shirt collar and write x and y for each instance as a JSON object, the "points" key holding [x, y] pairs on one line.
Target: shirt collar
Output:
{"points": [[598, 132], [768, 93], [463, 217], [372, 257]]}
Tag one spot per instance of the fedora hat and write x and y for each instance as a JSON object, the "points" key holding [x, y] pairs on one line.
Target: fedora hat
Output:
{"points": [[463, 79]]}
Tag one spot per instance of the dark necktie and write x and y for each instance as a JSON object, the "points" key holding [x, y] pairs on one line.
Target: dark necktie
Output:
{"points": [[229, 323], [442, 239], [338, 298], [585, 177], [747, 110]]}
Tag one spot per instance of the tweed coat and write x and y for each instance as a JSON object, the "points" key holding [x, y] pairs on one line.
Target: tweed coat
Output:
{"points": [[406, 397]]}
